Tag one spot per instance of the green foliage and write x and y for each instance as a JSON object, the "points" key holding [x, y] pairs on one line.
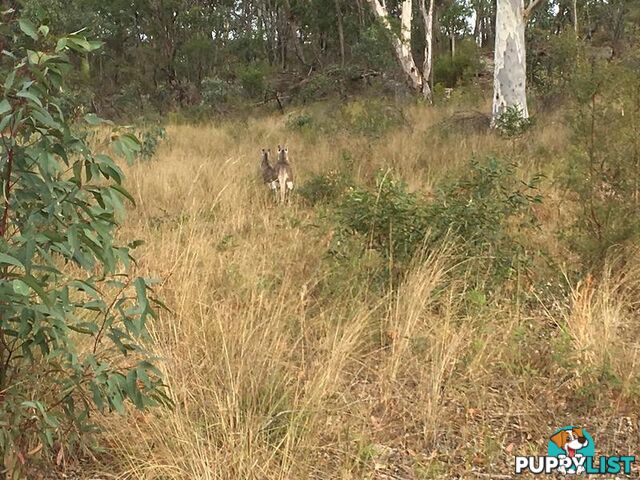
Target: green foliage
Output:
{"points": [[551, 61], [252, 79], [452, 71], [150, 140], [511, 123], [333, 81], [299, 122], [453, 20], [603, 172], [484, 213], [489, 212], [373, 48], [151, 57], [216, 91], [324, 189], [70, 314], [318, 87], [388, 219]]}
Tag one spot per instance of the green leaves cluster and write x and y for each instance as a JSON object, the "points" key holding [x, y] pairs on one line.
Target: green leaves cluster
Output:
{"points": [[603, 172], [512, 123], [72, 320], [483, 212]]}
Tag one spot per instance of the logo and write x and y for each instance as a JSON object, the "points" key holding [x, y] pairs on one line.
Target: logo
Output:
{"points": [[571, 450]]}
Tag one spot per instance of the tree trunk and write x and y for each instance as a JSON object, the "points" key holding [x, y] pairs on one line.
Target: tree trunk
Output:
{"points": [[490, 32], [453, 45], [401, 43], [478, 30], [361, 20], [427, 17], [340, 31], [509, 80], [282, 40], [294, 30], [477, 27], [575, 16]]}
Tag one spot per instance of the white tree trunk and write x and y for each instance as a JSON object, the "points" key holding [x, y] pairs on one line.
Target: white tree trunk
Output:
{"points": [[406, 15], [401, 43], [510, 71], [427, 17], [480, 33]]}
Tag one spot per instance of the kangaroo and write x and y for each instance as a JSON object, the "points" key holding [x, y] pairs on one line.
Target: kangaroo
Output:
{"points": [[284, 173], [269, 176]]}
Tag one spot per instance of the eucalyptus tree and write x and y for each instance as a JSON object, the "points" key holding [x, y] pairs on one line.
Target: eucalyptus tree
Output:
{"points": [[401, 41], [510, 57], [453, 21], [72, 317]]}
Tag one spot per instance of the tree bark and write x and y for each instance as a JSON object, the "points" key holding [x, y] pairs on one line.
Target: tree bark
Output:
{"points": [[509, 81], [401, 43], [427, 17], [490, 32], [281, 31], [361, 20], [340, 31], [477, 27], [294, 29]]}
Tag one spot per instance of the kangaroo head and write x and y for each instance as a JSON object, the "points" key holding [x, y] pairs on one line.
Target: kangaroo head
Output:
{"points": [[283, 154], [265, 156]]}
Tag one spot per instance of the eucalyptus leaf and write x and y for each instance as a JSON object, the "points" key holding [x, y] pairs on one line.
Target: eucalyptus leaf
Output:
{"points": [[28, 28]]}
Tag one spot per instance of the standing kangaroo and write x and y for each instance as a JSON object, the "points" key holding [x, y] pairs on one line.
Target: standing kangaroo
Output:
{"points": [[269, 176], [284, 174]]}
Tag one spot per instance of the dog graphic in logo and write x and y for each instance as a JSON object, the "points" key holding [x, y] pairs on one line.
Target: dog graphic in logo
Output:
{"points": [[571, 442]]}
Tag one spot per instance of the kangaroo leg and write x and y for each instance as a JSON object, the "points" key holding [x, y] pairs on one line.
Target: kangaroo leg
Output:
{"points": [[289, 189], [282, 181]]}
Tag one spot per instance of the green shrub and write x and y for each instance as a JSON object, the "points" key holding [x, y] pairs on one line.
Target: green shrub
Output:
{"points": [[69, 313], [374, 48], [299, 122], [325, 188], [150, 139], [484, 213], [453, 71], [318, 87], [388, 219], [551, 61], [603, 171], [253, 82], [511, 123], [216, 91]]}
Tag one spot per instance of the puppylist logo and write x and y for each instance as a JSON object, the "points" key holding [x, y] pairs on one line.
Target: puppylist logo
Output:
{"points": [[571, 450]]}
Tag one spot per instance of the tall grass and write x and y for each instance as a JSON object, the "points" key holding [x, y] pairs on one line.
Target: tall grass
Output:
{"points": [[273, 380]]}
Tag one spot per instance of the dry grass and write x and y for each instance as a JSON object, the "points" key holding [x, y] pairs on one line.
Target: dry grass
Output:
{"points": [[272, 379]]}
